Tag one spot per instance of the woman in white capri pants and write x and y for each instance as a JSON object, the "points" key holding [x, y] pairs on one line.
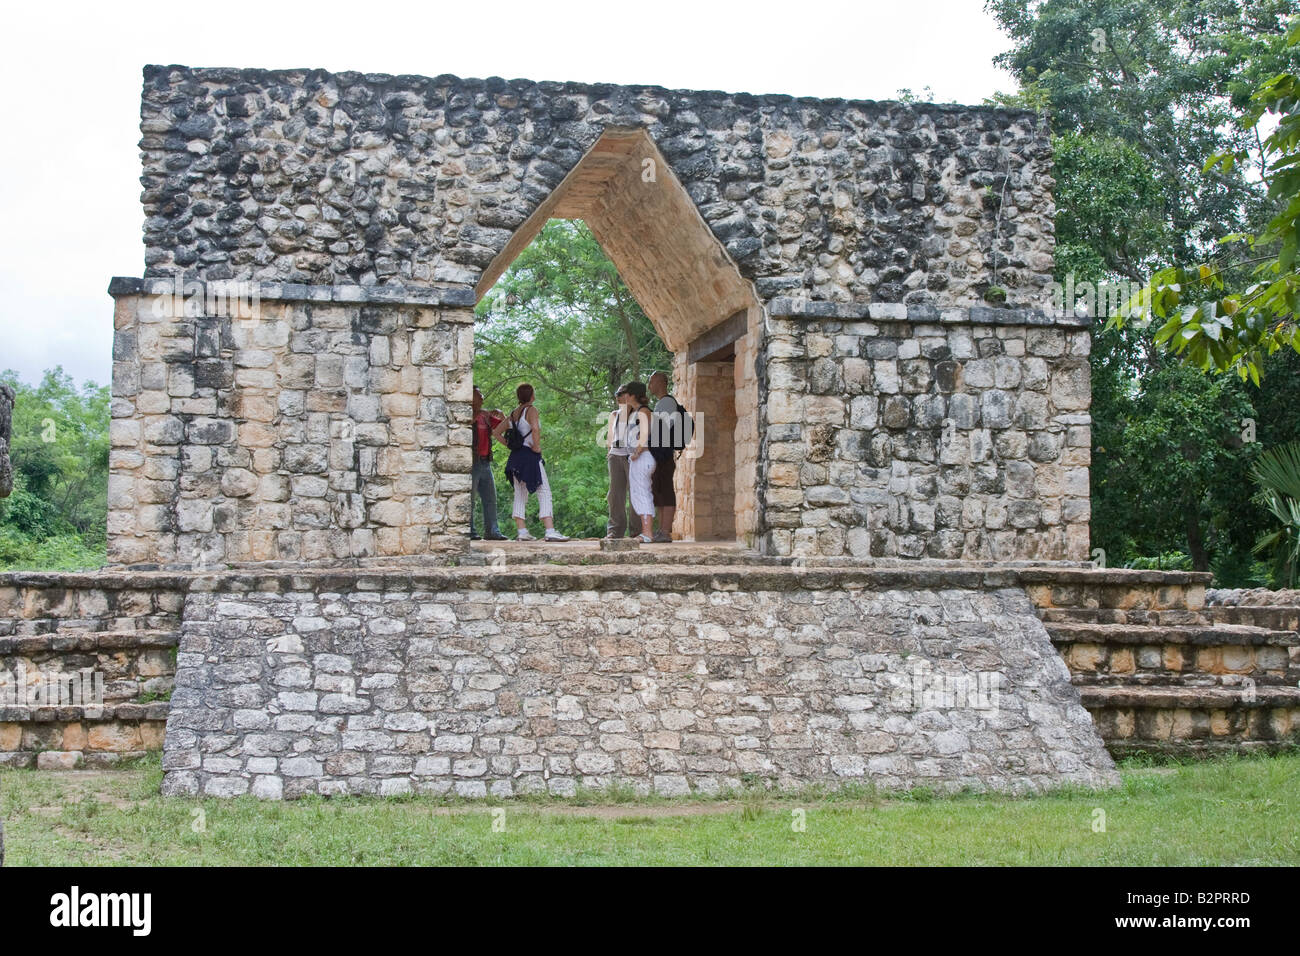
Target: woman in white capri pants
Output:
{"points": [[526, 470], [642, 464]]}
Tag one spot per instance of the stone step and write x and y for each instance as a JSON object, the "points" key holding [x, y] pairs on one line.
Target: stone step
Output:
{"points": [[1107, 615], [1178, 656], [106, 594], [63, 738], [1276, 618], [64, 641], [1116, 588], [1226, 635], [155, 710], [131, 664], [11, 627], [1194, 720]]}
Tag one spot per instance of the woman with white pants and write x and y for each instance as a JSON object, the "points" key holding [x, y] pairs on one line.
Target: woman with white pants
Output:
{"points": [[526, 470], [641, 465]]}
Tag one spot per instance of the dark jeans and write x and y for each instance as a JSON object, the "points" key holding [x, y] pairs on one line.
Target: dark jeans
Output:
{"points": [[483, 485]]}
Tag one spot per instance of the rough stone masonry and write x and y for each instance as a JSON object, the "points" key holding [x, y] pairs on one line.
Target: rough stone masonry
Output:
{"points": [[478, 683], [841, 249]]}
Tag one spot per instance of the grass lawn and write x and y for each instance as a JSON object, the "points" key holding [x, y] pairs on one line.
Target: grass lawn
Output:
{"points": [[1218, 812]]}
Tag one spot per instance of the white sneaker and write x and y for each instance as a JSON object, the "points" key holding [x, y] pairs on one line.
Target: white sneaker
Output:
{"points": [[523, 535], [553, 535]]}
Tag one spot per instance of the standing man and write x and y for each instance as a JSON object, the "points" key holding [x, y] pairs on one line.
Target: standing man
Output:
{"points": [[665, 497], [622, 516], [481, 482]]}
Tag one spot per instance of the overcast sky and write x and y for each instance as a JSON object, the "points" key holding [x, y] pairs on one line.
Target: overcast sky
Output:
{"points": [[69, 177]]}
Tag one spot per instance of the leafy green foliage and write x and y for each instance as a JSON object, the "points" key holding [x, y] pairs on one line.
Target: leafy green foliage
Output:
{"points": [[1278, 473], [1140, 95], [563, 320], [55, 518], [1109, 219], [1166, 78], [1174, 467], [1214, 322]]}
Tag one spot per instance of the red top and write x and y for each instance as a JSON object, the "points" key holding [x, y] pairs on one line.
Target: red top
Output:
{"points": [[484, 424]]}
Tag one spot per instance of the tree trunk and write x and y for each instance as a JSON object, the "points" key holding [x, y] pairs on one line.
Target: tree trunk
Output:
{"points": [[1195, 543], [6, 436], [633, 353]]}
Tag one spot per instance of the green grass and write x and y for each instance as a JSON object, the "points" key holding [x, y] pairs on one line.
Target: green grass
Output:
{"points": [[1214, 812]]}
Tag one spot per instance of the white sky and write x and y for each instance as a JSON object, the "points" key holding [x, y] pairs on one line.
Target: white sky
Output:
{"points": [[69, 177]]}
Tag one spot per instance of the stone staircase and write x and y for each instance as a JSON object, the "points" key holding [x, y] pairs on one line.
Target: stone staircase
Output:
{"points": [[1163, 671], [114, 638]]}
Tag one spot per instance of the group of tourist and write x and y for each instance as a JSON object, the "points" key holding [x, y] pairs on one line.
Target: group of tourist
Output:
{"points": [[641, 456]]}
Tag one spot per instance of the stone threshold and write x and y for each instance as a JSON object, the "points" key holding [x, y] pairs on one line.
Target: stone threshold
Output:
{"points": [[794, 308], [456, 295]]}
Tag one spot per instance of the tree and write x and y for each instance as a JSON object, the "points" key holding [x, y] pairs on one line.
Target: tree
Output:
{"points": [[1140, 94], [1212, 315], [56, 516], [1175, 467], [1162, 82], [1278, 474]]}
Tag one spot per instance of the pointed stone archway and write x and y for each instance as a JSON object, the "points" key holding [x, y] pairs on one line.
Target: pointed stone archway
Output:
{"points": [[705, 312], [828, 258]]}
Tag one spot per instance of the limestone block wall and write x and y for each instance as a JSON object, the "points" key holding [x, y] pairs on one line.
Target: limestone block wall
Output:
{"points": [[748, 387], [714, 498], [684, 388], [906, 432], [316, 429], [490, 681]]}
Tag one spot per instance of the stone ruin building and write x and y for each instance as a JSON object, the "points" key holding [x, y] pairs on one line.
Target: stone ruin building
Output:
{"points": [[893, 466]]}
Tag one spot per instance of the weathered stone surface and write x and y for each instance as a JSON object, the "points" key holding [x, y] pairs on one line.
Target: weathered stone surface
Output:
{"points": [[359, 180], [314, 432], [669, 691], [1161, 664], [961, 454]]}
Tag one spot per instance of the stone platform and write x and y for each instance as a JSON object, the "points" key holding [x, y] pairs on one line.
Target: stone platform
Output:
{"points": [[530, 666]]}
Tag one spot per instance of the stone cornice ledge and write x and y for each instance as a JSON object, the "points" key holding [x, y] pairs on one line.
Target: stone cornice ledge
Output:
{"points": [[786, 307], [461, 295], [610, 577]]}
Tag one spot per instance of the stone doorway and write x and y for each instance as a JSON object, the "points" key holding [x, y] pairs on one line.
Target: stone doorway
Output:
{"points": [[713, 473], [703, 310]]}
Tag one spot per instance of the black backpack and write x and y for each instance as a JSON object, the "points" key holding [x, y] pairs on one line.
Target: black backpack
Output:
{"points": [[514, 439], [675, 434]]}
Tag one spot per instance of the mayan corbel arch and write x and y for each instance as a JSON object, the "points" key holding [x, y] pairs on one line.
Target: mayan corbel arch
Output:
{"points": [[828, 262]]}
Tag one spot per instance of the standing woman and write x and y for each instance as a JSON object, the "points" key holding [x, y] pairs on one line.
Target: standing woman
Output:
{"points": [[526, 469], [641, 467]]}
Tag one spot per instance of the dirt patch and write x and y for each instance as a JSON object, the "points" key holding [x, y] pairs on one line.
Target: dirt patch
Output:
{"points": [[101, 785]]}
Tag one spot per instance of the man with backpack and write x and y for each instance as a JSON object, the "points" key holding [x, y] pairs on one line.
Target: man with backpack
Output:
{"points": [[672, 425], [481, 482]]}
